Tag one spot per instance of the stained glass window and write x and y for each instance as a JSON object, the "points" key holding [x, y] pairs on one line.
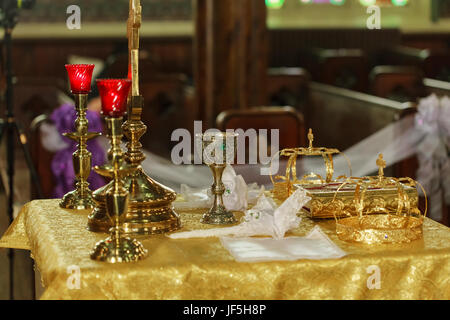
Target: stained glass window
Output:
{"points": [[385, 3]]}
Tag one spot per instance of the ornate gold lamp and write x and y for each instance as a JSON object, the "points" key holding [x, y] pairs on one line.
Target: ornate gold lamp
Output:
{"points": [[150, 208], [80, 77], [116, 248], [379, 218], [218, 149]]}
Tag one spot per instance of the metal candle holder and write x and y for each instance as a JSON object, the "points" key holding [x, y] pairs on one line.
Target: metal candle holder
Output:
{"points": [[150, 203], [116, 248], [81, 197]]}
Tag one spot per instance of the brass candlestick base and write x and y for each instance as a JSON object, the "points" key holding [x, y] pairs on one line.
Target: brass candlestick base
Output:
{"points": [[143, 217], [81, 197], [120, 250], [75, 200], [150, 209]]}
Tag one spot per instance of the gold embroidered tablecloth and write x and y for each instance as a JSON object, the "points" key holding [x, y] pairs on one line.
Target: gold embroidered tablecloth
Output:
{"points": [[203, 268]]}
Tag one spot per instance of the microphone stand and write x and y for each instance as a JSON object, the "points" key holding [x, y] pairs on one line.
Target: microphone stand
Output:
{"points": [[10, 127]]}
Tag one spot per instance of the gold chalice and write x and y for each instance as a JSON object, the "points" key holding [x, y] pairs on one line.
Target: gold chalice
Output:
{"points": [[217, 150]]}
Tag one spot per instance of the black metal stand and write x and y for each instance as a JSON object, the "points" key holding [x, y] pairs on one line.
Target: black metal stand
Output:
{"points": [[11, 127]]}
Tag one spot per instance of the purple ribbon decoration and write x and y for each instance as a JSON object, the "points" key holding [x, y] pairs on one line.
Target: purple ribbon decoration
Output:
{"points": [[62, 164]]}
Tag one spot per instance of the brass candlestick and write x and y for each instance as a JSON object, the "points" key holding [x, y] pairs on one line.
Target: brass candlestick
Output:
{"points": [[150, 203], [218, 149], [98, 220], [117, 249], [81, 197]]}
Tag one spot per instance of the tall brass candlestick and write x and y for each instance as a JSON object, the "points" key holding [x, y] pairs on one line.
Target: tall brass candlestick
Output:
{"points": [[116, 248], [81, 198], [150, 203]]}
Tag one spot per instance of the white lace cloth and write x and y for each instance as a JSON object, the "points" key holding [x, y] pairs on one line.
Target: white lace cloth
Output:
{"points": [[264, 219], [315, 246]]}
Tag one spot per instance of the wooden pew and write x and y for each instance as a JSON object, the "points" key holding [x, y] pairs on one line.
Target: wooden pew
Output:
{"points": [[342, 118], [287, 120], [344, 68], [288, 87], [440, 88], [435, 63], [398, 83], [327, 107], [169, 105]]}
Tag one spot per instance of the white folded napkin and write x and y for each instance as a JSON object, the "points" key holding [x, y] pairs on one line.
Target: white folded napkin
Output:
{"points": [[315, 246], [264, 219], [237, 194]]}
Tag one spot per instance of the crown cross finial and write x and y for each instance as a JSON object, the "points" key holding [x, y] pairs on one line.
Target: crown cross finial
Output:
{"points": [[310, 138], [381, 163]]}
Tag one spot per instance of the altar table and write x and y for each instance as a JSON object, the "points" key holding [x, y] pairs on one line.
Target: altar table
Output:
{"points": [[198, 269]]}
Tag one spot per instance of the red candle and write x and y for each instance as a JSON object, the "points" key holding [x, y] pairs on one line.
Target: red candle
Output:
{"points": [[80, 76], [114, 94]]}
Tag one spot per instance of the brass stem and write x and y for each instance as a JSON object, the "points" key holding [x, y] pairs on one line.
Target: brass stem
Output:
{"points": [[115, 135], [218, 188], [82, 157]]}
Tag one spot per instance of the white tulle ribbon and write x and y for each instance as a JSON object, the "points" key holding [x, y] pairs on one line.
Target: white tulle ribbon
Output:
{"points": [[264, 219]]}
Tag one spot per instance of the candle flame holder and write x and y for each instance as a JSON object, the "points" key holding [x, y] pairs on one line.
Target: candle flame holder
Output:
{"points": [[80, 77]]}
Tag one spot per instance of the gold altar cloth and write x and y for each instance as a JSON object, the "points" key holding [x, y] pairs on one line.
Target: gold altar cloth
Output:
{"points": [[203, 269]]}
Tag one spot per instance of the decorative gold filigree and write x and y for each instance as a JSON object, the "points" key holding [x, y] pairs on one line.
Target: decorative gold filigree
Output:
{"points": [[395, 218], [283, 186]]}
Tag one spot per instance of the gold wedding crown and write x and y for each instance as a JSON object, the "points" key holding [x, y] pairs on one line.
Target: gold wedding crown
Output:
{"points": [[284, 186], [379, 218]]}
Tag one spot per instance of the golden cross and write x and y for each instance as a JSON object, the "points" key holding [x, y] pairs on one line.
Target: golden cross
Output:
{"points": [[133, 26], [381, 163]]}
